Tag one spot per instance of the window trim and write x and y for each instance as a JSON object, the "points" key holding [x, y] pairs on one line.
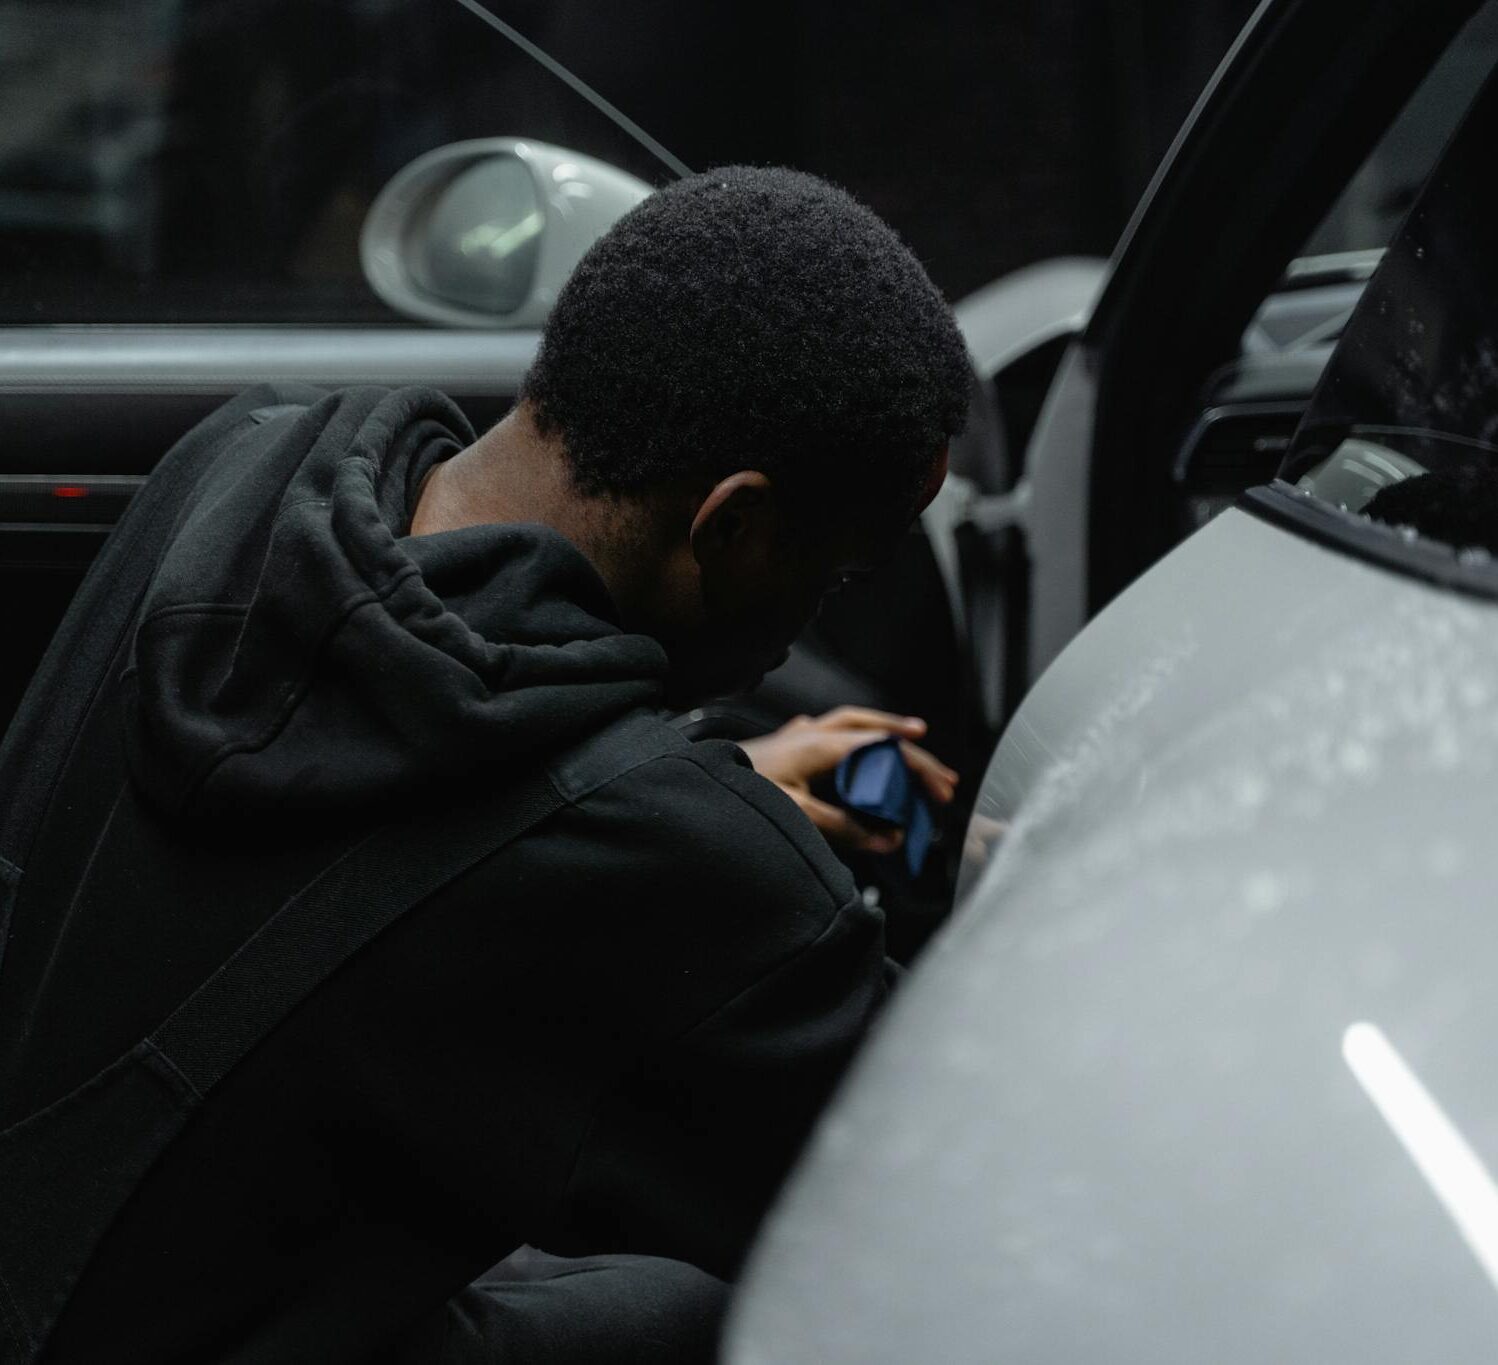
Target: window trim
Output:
{"points": [[1431, 561], [189, 357]]}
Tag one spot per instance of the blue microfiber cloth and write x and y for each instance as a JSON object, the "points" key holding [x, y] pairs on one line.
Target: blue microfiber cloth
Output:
{"points": [[875, 783]]}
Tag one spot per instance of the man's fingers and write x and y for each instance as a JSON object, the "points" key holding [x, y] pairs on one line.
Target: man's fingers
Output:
{"points": [[847, 728], [803, 750], [831, 747], [865, 718], [935, 776], [839, 827], [840, 732]]}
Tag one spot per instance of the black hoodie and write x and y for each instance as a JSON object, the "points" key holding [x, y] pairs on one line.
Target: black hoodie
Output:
{"points": [[610, 1035]]}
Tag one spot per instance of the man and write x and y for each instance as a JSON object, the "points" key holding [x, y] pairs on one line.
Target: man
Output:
{"points": [[333, 620]]}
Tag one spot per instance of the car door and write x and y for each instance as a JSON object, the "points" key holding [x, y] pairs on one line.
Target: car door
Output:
{"points": [[1199, 1070], [1278, 132]]}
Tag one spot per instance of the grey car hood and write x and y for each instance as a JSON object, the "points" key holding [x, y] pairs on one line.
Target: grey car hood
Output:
{"points": [[1149, 1097]]}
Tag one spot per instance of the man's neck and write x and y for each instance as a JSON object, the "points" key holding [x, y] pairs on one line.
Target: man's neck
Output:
{"points": [[511, 473], [514, 473]]}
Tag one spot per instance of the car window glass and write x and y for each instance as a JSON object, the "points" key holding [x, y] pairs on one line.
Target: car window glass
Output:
{"points": [[1404, 423], [1377, 198], [212, 160]]}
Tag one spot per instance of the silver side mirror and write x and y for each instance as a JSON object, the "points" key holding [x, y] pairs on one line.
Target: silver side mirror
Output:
{"points": [[484, 233]]}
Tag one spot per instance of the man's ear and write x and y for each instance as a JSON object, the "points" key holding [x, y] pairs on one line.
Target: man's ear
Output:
{"points": [[738, 518], [935, 480]]}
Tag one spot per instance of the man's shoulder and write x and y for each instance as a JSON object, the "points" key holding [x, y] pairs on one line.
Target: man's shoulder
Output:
{"points": [[703, 803]]}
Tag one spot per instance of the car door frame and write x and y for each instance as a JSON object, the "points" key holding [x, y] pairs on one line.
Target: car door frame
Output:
{"points": [[1295, 106]]}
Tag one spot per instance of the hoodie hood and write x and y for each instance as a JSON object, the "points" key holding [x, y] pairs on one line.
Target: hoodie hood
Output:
{"points": [[297, 651]]}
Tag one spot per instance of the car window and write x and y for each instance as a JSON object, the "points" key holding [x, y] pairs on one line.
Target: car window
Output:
{"points": [[1370, 209], [1404, 424], [212, 160]]}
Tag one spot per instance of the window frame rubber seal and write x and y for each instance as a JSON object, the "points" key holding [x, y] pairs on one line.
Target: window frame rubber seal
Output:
{"points": [[1431, 561]]}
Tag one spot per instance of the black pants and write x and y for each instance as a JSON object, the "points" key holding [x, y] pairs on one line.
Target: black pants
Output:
{"points": [[535, 1309]]}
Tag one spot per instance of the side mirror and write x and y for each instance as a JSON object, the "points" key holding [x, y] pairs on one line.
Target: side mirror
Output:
{"points": [[484, 233]]}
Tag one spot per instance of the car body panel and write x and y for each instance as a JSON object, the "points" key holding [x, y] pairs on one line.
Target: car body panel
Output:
{"points": [[1248, 810]]}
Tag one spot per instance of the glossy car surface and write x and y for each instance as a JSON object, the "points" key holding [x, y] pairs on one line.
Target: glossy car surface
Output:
{"points": [[1112, 1116]]}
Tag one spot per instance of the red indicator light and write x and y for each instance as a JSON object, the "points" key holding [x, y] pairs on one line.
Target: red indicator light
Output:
{"points": [[69, 490]]}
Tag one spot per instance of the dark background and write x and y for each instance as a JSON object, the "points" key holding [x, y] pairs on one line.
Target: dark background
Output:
{"points": [[991, 135], [181, 160]]}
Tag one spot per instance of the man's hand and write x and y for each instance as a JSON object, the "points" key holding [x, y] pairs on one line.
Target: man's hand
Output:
{"points": [[808, 747]]}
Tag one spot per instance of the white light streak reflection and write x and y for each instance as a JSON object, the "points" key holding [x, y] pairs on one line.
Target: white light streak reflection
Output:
{"points": [[491, 239], [1441, 1154]]}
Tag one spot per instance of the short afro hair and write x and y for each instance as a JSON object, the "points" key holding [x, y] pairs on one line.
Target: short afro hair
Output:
{"points": [[753, 318]]}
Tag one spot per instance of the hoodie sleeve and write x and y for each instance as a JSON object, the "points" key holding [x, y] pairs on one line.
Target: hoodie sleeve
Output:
{"points": [[684, 1156]]}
